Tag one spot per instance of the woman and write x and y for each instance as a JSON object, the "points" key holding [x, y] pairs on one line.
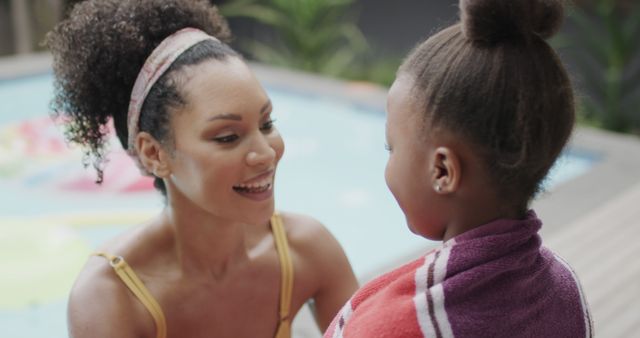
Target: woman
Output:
{"points": [[217, 261]]}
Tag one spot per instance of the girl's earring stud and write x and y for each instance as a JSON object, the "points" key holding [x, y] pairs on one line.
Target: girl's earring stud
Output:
{"points": [[438, 188]]}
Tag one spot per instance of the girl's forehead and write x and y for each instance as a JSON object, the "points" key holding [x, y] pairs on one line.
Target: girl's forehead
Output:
{"points": [[401, 100]]}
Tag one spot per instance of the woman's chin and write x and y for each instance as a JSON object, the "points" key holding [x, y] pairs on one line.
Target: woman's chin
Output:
{"points": [[261, 215]]}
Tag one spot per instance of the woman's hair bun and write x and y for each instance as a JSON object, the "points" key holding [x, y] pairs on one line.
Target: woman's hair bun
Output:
{"points": [[493, 21]]}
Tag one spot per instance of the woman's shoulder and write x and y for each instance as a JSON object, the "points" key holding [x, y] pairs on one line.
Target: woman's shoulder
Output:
{"points": [[307, 233], [99, 303], [311, 241], [139, 244], [97, 283], [99, 299], [301, 225], [323, 265]]}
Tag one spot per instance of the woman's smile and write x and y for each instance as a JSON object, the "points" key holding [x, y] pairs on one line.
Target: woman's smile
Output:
{"points": [[258, 188]]}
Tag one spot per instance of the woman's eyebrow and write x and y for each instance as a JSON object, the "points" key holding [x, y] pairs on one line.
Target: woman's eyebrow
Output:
{"points": [[265, 107], [225, 116], [236, 117]]}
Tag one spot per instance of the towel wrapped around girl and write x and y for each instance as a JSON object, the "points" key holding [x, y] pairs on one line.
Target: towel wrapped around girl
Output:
{"points": [[496, 280]]}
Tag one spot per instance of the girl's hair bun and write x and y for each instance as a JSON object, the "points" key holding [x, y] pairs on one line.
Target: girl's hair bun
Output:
{"points": [[493, 21]]}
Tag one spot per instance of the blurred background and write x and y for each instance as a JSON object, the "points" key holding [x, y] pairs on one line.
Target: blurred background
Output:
{"points": [[365, 41], [326, 65]]}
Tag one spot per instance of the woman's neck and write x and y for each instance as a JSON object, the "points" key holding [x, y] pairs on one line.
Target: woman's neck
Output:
{"points": [[204, 244]]}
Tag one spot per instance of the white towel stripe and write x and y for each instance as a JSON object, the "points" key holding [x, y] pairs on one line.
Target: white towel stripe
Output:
{"points": [[345, 314], [437, 291], [420, 298]]}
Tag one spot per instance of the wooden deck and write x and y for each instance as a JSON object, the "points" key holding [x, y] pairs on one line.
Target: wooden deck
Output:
{"points": [[603, 247]]}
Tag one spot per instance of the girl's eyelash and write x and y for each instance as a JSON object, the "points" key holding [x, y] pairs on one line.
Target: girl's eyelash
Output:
{"points": [[387, 147]]}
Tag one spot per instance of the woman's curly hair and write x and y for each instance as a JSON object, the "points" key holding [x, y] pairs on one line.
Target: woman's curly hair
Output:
{"points": [[99, 50]]}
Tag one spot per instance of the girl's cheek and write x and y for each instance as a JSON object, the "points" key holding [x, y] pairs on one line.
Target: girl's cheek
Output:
{"points": [[387, 174]]}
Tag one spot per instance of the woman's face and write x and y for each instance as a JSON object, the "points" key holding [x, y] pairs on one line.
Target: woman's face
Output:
{"points": [[226, 148], [409, 168]]}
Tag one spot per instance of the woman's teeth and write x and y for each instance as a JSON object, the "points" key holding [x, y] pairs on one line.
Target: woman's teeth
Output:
{"points": [[254, 187]]}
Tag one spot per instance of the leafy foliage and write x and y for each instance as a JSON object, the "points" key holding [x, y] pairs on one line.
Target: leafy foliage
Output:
{"points": [[605, 52], [314, 35]]}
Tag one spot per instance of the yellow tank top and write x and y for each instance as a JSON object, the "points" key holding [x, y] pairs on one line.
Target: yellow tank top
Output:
{"points": [[131, 280]]}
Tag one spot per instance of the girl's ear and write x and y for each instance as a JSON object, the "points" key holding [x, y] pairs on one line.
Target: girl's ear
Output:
{"points": [[447, 171], [153, 155]]}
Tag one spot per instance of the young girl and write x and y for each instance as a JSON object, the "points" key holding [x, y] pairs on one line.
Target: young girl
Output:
{"points": [[477, 115], [217, 261]]}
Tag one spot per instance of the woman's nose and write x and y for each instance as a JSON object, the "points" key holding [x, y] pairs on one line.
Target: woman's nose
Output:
{"points": [[262, 153]]}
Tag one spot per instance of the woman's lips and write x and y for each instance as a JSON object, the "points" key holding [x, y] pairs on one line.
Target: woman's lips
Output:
{"points": [[259, 194], [258, 188]]}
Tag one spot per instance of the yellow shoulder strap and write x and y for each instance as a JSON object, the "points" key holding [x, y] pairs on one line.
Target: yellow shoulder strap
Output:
{"points": [[124, 271], [286, 269]]}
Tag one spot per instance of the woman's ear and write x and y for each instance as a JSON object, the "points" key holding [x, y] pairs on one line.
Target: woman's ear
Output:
{"points": [[447, 171], [153, 155]]}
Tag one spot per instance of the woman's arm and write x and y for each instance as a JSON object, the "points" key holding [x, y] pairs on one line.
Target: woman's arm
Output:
{"points": [[328, 265], [337, 281]]}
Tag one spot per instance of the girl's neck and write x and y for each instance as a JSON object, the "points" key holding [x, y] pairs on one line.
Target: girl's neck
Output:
{"points": [[476, 201], [461, 225], [468, 215]]}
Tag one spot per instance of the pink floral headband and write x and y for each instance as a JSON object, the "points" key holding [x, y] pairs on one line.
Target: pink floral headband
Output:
{"points": [[157, 64]]}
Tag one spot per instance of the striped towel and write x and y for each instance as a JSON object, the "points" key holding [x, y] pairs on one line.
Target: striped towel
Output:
{"points": [[493, 281]]}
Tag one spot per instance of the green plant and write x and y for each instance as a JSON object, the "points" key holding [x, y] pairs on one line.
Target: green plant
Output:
{"points": [[313, 35], [378, 69], [605, 53]]}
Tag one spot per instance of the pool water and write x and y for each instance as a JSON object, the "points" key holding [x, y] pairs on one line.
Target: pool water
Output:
{"points": [[52, 215]]}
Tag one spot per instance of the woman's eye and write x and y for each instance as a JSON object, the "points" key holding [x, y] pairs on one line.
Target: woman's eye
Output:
{"points": [[226, 138], [267, 126], [387, 147]]}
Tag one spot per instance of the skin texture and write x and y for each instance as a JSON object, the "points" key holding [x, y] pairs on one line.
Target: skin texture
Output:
{"points": [[209, 258], [437, 178]]}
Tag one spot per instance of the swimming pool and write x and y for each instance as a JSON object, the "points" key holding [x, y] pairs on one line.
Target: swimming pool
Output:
{"points": [[52, 215]]}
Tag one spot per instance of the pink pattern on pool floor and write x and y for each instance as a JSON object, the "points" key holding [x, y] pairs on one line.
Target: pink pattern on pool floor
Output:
{"points": [[35, 150]]}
